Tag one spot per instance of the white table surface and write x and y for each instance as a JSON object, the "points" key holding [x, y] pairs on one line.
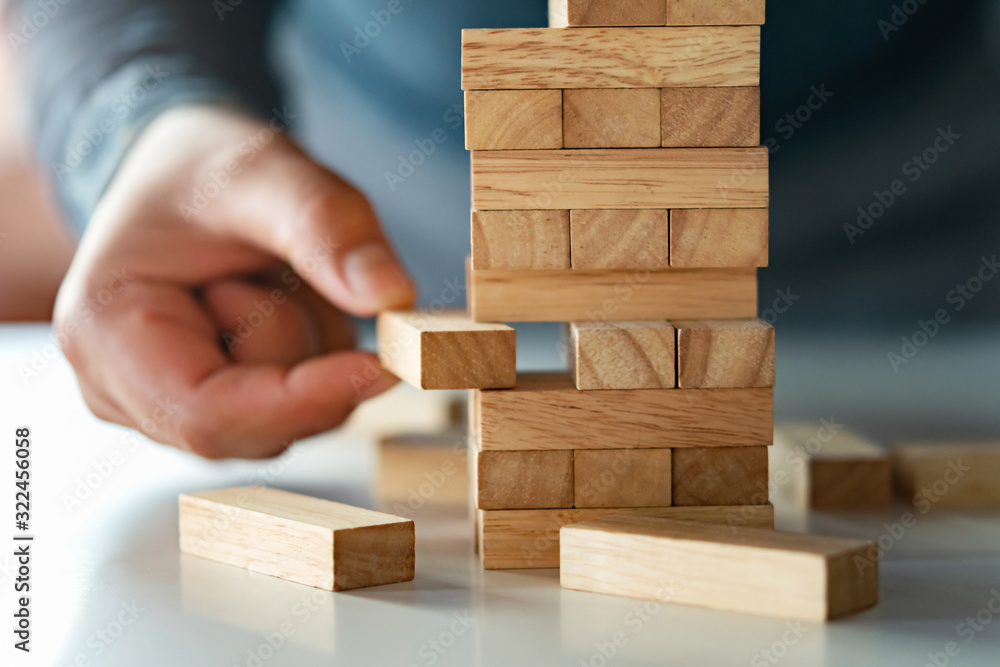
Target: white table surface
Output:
{"points": [[114, 558]]}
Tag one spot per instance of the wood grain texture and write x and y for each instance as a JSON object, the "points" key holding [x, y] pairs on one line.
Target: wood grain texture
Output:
{"points": [[423, 469], [520, 240], [715, 12], [749, 570], [724, 353], [638, 354], [718, 238], [622, 478], [519, 539], [446, 350], [620, 239], [710, 117], [311, 541], [590, 13], [942, 474], [577, 294], [720, 476], [545, 411], [547, 58], [611, 118], [620, 178], [513, 119], [523, 479]]}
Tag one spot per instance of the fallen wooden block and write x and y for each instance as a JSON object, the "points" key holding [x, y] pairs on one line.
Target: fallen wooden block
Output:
{"points": [[611, 118], [718, 238], [622, 478], [622, 239], [519, 539], [636, 354], [520, 240], [720, 476], [702, 12], [724, 353], [710, 117], [446, 350], [618, 178], [580, 294], [749, 570], [522, 479], [586, 13], [948, 474], [513, 119], [546, 58], [545, 411], [423, 469], [311, 541], [828, 467]]}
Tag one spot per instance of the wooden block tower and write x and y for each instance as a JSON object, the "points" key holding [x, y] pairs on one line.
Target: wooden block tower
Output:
{"points": [[618, 185]]}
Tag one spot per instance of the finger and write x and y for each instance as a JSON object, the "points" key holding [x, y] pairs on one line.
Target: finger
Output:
{"points": [[334, 329]]}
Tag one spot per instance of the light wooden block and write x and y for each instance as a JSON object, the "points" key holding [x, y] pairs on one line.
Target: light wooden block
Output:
{"points": [[724, 353], [715, 12], [948, 474], [611, 118], [622, 239], [423, 469], [720, 476], [622, 478], [519, 539], [718, 238], [748, 570], [513, 119], [311, 541], [618, 178], [590, 13], [636, 354], [578, 294], [520, 240], [446, 350], [522, 479], [710, 117], [545, 411], [547, 58]]}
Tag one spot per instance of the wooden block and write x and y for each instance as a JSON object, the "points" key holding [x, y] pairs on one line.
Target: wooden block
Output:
{"points": [[611, 118], [577, 294], [724, 353], [710, 117], [446, 350], [704, 12], [405, 409], [518, 539], [513, 119], [622, 478], [546, 58], [749, 570], [311, 541], [720, 476], [589, 13], [523, 479], [623, 355], [520, 240], [425, 469], [829, 467], [718, 238], [620, 178], [545, 411], [948, 474], [622, 239]]}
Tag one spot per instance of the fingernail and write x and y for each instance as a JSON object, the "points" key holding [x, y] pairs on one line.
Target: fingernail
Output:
{"points": [[374, 276]]}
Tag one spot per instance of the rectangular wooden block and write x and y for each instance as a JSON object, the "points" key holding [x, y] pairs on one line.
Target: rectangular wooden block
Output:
{"points": [[638, 354], [724, 353], [579, 294], [948, 474], [519, 539], [545, 411], [620, 239], [513, 119], [589, 13], [611, 118], [522, 479], [718, 238], [749, 570], [715, 12], [720, 476], [620, 178], [547, 58], [446, 350], [425, 469], [829, 467], [710, 117], [520, 240], [311, 541], [622, 478]]}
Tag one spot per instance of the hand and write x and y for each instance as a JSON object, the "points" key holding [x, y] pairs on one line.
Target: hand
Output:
{"points": [[206, 302]]}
